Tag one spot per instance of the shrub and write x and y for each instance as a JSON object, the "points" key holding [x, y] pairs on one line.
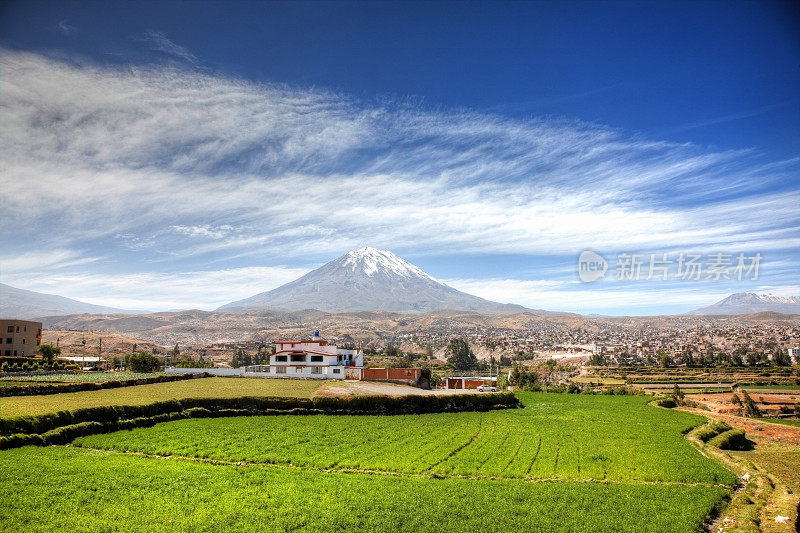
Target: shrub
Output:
{"points": [[712, 429], [733, 439], [668, 402]]}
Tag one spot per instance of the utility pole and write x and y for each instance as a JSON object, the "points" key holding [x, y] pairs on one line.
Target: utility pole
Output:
{"points": [[100, 353]]}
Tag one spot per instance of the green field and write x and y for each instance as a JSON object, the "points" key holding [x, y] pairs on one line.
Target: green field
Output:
{"points": [[81, 377], [562, 463], [156, 392], [785, 388], [557, 436], [784, 421], [67, 489]]}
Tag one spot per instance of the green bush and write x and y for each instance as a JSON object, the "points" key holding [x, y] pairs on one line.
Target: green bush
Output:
{"points": [[733, 439], [711, 430], [668, 402]]}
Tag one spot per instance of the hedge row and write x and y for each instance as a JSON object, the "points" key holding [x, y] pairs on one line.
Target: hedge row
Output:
{"points": [[733, 439], [374, 405], [711, 430], [56, 388]]}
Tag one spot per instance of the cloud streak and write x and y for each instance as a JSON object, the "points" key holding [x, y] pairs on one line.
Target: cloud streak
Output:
{"points": [[176, 166]]}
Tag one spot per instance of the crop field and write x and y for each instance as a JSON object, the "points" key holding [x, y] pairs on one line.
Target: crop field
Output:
{"points": [[80, 377], [562, 463], [68, 489], [156, 392], [555, 437]]}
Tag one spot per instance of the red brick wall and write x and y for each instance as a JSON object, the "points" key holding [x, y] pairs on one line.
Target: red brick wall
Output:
{"points": [[382, 374]]}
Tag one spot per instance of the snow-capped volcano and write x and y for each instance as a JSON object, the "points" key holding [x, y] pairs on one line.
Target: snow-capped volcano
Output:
{"points": [[743, 303], [368, 279], [372, 261]]}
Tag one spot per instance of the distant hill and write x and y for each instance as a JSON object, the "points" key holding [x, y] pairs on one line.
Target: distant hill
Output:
{"points": [[745, 303], [20, 303], [369, 280]]}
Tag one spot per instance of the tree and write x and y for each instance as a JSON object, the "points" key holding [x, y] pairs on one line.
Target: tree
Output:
{"points": [[460, 356], [175, 351], [677, 393], [751, 410], [144, 362], [48, 353], [392, 351], [241, 358], [664, 359], [781, 358]]}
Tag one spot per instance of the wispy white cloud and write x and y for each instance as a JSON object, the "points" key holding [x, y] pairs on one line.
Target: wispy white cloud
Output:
{"points": [[158, 41], [172, 163], [53, 259], [66, 29]]}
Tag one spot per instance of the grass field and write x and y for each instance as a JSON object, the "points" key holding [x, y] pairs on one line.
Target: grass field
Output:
{"points": [[771, 387], [156, 392], [68, 489], [80, 377], [556, 436], [784, 421]]}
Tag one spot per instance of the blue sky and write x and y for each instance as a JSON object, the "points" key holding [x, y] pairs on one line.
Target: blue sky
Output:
{"points": [[173, 155]]}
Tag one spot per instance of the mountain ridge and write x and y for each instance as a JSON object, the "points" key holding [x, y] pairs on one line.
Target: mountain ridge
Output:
{"points": [[24, 304], [745, 303]]}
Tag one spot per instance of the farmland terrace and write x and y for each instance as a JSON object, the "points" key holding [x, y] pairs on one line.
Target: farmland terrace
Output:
{"points": [[561, 463]]}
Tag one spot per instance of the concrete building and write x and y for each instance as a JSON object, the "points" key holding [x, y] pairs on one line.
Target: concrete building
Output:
{"points": [[20, 338], [794, 354], [313, 358]]}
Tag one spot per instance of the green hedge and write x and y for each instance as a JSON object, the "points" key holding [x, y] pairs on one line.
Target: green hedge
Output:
{"points": [[56, 388], [199, 407], [733, 439], [711, 430]]}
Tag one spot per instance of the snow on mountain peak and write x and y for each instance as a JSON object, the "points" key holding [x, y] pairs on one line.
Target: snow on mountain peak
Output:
{"points": [[371, 261]]}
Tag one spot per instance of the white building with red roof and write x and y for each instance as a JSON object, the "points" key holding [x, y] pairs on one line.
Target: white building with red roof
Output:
{"points": [[313, 358]]}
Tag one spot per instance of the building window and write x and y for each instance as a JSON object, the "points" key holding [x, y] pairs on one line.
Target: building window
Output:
{"points": [[316, 358], [280, 369], [25, 328], [337, 370], [280, 358], [11, 329], [316, 370], [8, 352], [15, 353], [23, 341], [8, 340], [17, 329], [299, 358]]}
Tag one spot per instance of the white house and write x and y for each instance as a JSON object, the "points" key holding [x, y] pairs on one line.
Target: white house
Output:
{"points": [[313, 358]]}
